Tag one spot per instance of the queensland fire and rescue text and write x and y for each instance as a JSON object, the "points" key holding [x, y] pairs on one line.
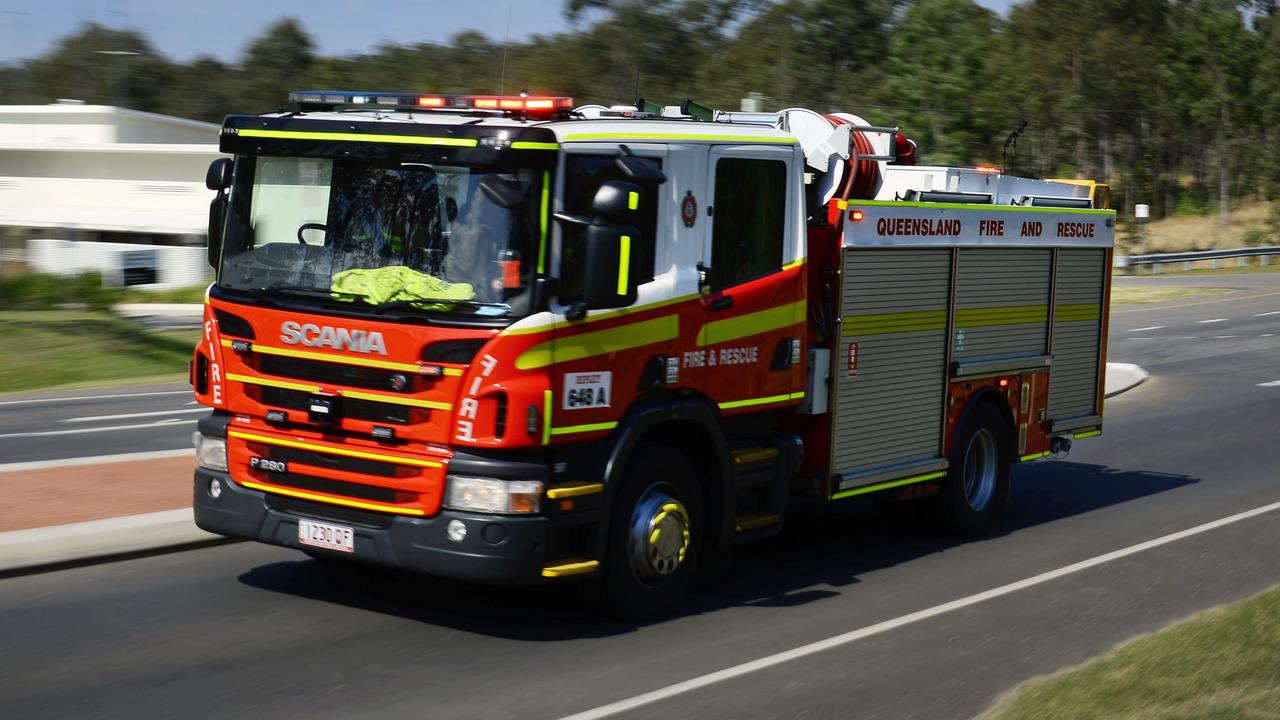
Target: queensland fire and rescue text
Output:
{"points": [[490, 337]]}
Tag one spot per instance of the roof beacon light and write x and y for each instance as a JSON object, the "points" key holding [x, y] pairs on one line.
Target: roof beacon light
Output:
{"points": [[534, 106]]}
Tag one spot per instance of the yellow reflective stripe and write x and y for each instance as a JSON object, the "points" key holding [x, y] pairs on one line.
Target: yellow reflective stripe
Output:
{"points": [[332, 500], [393, 399], [600, 342], [542, 222], [886, 485], [571, 567], [593, 427], [624, 264], [1089, 434], [356, 137], [341, 359], [842, 204], [397, 400], [345, 452], [526, 145], [573, 489], [895, 322], [546, 416], [633, 200], [1073, 313], [597, 317], [731, 404], [754, 323], [678, 136], [1034, 456], [273, 383], [981, 208], [1010, 315], [793, 264]]}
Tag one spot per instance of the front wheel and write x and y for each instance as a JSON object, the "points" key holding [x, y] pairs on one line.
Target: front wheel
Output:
{"points": [[655, 537], [976, 487]]}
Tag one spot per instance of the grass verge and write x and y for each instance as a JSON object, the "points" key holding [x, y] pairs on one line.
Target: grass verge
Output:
{"points": [[1130, 294], [42, 349], [1220, 664]]}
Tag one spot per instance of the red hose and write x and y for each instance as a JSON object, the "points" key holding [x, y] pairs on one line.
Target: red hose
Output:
{"points": [[863, 175]]}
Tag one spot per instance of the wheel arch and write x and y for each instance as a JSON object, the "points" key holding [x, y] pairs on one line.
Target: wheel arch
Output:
{"points": [[987, 396], [691, 425]]}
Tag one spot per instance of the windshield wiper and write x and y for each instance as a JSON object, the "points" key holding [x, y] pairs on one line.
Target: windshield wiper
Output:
{"points": [[286, 289], [395, 304]]}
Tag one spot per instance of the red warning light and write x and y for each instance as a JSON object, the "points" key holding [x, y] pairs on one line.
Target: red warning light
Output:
{"points": [[430, 102], [856, 215], [1004, 382]]}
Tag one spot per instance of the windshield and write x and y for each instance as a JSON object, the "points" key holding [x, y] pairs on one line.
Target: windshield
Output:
{"points": [[408, 235]]}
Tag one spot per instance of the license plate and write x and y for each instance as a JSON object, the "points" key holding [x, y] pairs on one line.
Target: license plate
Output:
{"points": [[324, 535], [269, 465]]}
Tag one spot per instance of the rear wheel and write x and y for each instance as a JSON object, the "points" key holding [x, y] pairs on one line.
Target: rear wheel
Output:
{"points": [[654, 537], [976, 487]]}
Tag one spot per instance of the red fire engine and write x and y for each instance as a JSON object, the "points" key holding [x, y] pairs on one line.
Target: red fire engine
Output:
{"points": [[510, 340]]}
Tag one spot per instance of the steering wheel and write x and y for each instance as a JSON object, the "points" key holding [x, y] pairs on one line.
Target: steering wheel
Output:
{"points": [[310, 226]]}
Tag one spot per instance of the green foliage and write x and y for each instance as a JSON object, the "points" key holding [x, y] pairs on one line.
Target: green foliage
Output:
{"points": [[1256, 237], [1175, 103], [37, 291]]}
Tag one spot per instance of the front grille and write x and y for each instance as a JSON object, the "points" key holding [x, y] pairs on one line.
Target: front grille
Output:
{"points": [[332, 513], [337, 462], [349, 407], [338, 487], [336, 374]]}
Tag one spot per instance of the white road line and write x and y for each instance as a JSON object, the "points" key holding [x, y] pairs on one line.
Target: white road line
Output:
{"points": [[1273, 312], [77, 431], [1273, 383], [94, 397], [1267, 335], [1202, 322], [1223, 337], [1141, 338], [769, 661], [94, 460], [1142, 329], [156, 413]]}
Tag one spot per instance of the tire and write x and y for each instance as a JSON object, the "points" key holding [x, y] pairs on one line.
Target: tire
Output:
{"points": [[654, 537], [976, 488]]}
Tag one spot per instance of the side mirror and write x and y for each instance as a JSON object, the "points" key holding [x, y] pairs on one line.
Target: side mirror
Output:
{"points": [[641, 170], [617, 201], [219, 175], [503, 193], [609, 280], [217, 220]]}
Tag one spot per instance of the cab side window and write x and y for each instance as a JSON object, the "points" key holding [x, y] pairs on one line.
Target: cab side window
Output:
{"points": [[749, 227], [583, 175]]}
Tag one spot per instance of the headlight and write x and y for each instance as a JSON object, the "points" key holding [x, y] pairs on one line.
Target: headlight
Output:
{"points": [[487, 495], [211, 452]]}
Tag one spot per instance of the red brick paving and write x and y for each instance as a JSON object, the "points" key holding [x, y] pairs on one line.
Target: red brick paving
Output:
{"points": [[53, 496]]}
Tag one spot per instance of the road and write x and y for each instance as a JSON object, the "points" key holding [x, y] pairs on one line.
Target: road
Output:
{"points": [[84, 423], [265, 632]]}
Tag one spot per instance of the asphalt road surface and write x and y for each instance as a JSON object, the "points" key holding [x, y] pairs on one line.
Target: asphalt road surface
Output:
{"points": [[87, 423], [923, 626]]}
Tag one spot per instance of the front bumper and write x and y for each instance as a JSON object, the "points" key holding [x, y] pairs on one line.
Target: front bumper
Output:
{"points": [[496, 549]]}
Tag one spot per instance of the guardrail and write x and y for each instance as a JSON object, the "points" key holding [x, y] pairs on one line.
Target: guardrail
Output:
{"points": [[1158, 260]]}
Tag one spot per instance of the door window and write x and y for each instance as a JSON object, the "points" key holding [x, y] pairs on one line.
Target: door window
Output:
{"points": [[748, 231]]}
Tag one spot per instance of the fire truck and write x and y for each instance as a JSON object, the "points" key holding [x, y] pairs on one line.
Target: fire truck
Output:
{"points": [[511, 340]]}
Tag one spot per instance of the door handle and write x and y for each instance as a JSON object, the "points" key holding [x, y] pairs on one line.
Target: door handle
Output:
{"points": [[722, 302]]}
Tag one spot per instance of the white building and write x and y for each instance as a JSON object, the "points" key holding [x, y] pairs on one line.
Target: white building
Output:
{"points": [[92, 187]]}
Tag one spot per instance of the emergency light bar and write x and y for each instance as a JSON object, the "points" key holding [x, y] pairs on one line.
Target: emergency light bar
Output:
{"points": [[520, 104]]}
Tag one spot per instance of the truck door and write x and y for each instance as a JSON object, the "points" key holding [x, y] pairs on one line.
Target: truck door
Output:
{"points": [[754, 291]]}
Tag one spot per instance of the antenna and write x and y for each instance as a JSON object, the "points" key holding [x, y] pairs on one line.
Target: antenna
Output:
{"points": [[1006, 166], [506, 45]]}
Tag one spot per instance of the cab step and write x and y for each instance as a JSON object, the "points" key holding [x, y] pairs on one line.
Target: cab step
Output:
{"points": [[754, 521], [753, 455], [570, 566]]}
